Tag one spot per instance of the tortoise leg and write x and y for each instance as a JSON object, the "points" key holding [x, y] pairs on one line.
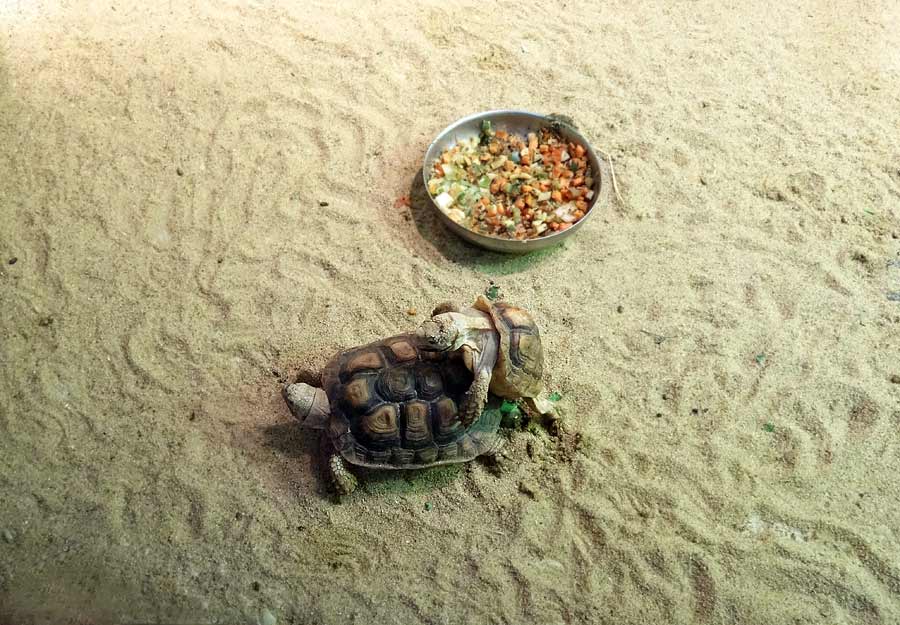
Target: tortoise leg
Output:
{"points": [[445, 307], [340, 475], [481, 364], [475, 398]]}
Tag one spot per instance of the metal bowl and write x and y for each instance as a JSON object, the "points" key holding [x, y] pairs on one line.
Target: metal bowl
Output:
{"points": [[521, 123]]}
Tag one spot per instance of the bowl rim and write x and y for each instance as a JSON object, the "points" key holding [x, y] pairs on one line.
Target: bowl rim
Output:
{"points": [[490, 241]]}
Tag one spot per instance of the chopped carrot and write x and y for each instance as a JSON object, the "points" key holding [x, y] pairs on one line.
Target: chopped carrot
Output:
{"points": [[501, 134], [577, 182], [579, 151], [556, 196]]}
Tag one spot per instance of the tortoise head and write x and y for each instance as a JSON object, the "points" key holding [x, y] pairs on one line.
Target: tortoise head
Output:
{"points": [[442, 332], [308, 404]]}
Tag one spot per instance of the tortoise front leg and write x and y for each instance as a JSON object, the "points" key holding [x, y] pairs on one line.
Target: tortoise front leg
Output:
{"points": [[339, 474], [476, 397]]}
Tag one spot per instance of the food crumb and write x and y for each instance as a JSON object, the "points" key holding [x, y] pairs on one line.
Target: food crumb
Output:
{"points": [[411, 311]]}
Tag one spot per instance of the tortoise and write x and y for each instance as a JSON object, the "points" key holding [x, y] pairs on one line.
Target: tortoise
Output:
{"points": [[417, 400], [392, 404], [501, 346]]}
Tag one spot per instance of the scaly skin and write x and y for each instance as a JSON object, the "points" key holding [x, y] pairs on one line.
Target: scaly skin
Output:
{"points": [[340, 476], [475, 398]]}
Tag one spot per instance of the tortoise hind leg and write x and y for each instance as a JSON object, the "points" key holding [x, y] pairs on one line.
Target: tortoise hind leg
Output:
{"points": [[339, 474]]}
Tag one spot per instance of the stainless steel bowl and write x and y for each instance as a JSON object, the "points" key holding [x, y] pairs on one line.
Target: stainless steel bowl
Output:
{"points": [[519, 122]]}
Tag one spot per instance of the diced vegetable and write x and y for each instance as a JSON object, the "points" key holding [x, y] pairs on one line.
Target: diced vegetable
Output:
{"points": [[456, 215], [444, 200]]}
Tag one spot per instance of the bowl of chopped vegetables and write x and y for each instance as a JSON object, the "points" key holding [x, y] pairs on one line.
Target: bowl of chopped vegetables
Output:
{"points": [[513, 181]]}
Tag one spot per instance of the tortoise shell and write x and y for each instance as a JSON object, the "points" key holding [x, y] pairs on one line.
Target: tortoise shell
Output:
{"points": [[394, 405], [520, 364]]}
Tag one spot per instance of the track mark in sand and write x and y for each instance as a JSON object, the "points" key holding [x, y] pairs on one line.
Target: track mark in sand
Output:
{"points": [[237, 528], [137, 361], [219, 45], [863, 414], [521, 587], [195, 515], [833, 536], [353, 555], [583, 568], [832, 283], [704, 589]]}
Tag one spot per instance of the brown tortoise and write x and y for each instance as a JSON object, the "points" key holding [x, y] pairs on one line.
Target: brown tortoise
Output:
{"points": [[501, 345], [416, 400]]}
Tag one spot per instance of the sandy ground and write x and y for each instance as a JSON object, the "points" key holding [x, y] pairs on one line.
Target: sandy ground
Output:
{"points": [[726, 336]]}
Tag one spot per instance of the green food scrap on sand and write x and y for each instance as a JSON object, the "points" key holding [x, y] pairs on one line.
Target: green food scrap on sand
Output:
{"points": [[760, 359], [555, 396], [511, 414], [492, 292], [769, 427]]}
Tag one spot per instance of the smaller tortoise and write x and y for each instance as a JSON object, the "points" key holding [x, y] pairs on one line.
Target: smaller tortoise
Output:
{"points": [[501, 346], [393, 404]]}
